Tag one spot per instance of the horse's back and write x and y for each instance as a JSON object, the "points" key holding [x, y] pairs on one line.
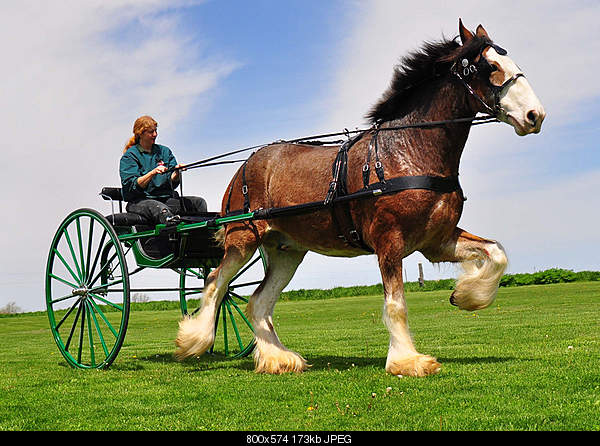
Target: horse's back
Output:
{"points": [[285, 174]]}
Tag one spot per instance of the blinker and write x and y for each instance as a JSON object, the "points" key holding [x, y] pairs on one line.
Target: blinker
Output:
{"points": [[499, 49]]}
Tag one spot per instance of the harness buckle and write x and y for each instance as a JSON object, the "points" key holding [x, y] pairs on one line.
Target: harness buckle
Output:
{"points": [[245, 189]]}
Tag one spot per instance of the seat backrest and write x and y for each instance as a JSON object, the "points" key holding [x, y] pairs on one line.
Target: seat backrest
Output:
{"points": [[112, 193]]}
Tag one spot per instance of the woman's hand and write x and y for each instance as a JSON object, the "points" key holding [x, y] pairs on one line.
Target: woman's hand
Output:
{"points": [[175, 176], [161, 168]]}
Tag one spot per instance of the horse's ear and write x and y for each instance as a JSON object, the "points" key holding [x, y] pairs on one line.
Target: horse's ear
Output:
{"points": [[465, 34], [481, 32]]}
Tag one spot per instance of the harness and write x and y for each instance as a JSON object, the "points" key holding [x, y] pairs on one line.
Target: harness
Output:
{"points": [[341, 213]]}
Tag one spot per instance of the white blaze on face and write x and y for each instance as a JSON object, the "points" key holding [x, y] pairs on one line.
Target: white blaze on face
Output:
{"points": [[520, 106]]}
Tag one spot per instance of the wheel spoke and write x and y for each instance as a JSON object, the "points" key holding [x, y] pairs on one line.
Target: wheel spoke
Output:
{"points": [[78, 224], [225, 333], [97, 256], [100, 337], [241, 313], [68, 344], [90, 337], [105, 286], [64, 318], [108, 324], [60, 299], [60, 279], [108, 262], [243, 299], [89, 249], [245, 268], [106, 301], [66, 232], [234, 325], [64, 262], [241, 285]]}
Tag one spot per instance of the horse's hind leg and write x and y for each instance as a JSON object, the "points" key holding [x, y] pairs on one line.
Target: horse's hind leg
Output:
{"points": [[403, 358], [197, 334], [483, 261], [270, 355]]}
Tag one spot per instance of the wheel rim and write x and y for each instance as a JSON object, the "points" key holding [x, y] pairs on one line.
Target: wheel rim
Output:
{"points": [[87, 290], [234, 334]]}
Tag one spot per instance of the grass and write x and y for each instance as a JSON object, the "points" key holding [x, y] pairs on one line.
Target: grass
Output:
{"points": [[529, 362]]}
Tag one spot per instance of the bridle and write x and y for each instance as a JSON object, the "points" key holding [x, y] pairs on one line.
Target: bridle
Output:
{"points": [[467, 69]]}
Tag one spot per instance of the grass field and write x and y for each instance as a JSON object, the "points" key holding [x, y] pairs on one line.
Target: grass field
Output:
{"points": [[529, 362]]}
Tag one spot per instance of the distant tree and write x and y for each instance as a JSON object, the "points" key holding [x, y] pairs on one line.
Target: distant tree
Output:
{"points": [[10, 308], [140, 297]]}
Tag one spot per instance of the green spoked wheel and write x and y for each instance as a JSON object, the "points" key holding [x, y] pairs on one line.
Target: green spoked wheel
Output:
{"points": [[234, 333], [87, 290]]}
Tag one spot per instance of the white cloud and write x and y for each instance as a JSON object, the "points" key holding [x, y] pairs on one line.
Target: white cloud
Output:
{"points": [[71, 89]]}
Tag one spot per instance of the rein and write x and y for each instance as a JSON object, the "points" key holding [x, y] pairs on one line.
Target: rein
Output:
{"points": [[477, 120]]}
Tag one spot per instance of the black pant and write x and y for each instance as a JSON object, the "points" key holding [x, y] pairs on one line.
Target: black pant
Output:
{"points": [[158, 210]]}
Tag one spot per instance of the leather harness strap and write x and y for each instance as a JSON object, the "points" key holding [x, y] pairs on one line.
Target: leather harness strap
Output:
{"points": [[340, 211]]}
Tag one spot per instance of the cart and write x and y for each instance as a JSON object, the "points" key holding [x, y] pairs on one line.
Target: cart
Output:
{"points": [[89, 272]]}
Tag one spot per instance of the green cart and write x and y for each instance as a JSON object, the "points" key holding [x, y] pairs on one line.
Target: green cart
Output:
{"points": [[91, 267]]}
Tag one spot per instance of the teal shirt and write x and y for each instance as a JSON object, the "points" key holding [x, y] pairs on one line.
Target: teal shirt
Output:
{"points": [[136, 163]]}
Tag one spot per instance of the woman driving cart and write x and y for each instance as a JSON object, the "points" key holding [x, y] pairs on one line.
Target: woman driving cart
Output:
{"points": [[147, 186]]}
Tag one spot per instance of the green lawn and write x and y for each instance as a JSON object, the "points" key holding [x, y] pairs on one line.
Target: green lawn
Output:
{"points": [[529, 362]]}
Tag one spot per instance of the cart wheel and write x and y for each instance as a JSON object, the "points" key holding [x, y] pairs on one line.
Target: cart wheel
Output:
{"points": [[234, 333], [87, 290]]}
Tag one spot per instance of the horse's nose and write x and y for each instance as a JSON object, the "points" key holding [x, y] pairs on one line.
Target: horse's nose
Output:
{"points": [[535, 118]]}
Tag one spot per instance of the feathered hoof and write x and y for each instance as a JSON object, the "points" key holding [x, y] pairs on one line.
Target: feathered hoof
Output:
{"points": [[419, 365], [193, 339], [277, 364]]}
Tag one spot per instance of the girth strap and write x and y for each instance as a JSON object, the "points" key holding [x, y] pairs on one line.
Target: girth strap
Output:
{"points": [[340, 213], [437, 184]]}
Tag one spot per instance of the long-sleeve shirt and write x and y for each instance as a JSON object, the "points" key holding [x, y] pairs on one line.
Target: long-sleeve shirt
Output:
{"points": [[136, 163]]}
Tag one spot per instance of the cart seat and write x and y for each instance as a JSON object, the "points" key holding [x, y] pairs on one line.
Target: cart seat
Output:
{"points": [[129, 219]]}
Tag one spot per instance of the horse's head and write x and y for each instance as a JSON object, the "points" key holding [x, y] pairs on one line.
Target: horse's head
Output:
{"points": [[497, 84]]}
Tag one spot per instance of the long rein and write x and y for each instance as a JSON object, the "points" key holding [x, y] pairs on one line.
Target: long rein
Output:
{"points": [[477, 120]]}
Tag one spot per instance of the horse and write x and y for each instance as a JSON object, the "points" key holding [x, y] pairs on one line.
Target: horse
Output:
{"points": [[447, 82]]}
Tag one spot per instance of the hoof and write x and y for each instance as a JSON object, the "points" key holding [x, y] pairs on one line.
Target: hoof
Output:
{"points": [[193, 338], [283, 362], [420, 365], [452, 300]]}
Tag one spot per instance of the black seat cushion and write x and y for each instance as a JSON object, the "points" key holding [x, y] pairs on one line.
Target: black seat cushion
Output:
{"points": [[111, 193], [127, 219]]}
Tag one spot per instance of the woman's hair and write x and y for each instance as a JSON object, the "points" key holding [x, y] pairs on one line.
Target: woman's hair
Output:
{"points": [[140, 125]]}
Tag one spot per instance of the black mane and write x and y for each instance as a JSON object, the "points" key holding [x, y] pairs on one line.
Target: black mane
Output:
{"points": [[432, 61]]}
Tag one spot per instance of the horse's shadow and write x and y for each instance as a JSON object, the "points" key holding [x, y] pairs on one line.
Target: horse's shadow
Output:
{"points": [[212, 361]]}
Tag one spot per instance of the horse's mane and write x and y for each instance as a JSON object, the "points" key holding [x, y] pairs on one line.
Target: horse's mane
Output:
{"points": [[432, 61]]}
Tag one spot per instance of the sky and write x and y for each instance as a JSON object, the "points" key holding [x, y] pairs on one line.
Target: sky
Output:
{"points": [[224, 75]]}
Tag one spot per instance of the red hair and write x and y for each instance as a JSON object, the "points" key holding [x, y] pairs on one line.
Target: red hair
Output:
{"points": [[140, 125]]}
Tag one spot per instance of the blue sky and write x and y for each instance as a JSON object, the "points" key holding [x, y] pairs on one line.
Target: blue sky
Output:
{"points": [[223, 75]]}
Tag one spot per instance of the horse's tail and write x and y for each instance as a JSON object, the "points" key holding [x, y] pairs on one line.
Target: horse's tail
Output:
{"points": [[220, 236]]}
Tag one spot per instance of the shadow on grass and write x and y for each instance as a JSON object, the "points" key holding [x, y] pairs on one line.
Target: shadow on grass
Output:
{"points": [[214, 361]]}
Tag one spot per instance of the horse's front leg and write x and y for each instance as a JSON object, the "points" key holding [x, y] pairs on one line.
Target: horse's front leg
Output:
{"points": [[483, 261], [403, 358]]}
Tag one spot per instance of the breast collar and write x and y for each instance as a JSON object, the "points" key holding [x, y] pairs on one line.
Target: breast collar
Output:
{"points": [[467, 69]]}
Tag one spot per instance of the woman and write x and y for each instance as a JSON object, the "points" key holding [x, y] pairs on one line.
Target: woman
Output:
{"points": [[145, 185]]}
